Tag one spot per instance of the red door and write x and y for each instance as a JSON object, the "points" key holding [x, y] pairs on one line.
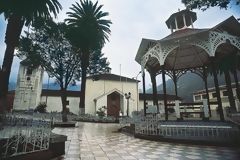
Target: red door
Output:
{"points": [[113, 104]]}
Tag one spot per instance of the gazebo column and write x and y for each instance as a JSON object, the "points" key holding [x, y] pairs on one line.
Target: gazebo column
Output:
{"points": [[184, 20], [164, 93], [206, 88], [220, 108], [175, 82], [171, 28], [154, 87], [229, 89], [144, 93], [191, 22], [236, 83], [176, 24]]}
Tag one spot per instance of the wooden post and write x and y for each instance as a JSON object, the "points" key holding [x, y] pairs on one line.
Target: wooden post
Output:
{"points": [[229, 89], [154, 87], [144, 93], [220, 108], [175, 83], [164, 93], [206, 88]]}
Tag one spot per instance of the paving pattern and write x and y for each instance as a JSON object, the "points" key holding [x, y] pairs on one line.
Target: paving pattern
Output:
{"points": [[92, 141]]}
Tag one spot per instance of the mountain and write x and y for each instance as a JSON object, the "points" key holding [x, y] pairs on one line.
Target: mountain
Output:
{"points": [[189, 83], [12, 86], [52, 86]]}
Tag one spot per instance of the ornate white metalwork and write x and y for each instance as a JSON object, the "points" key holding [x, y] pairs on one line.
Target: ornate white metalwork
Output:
{"points": [[204, 44], [217, 38], [152, 52], [166, 50]]}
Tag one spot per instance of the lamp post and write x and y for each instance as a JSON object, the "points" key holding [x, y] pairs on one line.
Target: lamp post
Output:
{"points": [[128, 96]]}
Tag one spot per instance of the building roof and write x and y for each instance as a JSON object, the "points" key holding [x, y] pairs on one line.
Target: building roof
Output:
{"points": [[112, 77], [149, 96], [57, 93], [222, 87]]}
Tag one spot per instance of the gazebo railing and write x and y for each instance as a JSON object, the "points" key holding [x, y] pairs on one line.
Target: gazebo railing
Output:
{"points": [[195, 130], [187, 130]]}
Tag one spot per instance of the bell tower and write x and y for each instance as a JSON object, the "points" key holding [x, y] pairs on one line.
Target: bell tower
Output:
{"points": [[29, 87]]}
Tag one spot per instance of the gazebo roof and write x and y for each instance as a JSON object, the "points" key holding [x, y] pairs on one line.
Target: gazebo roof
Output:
{"points": [[230, 25], [189, 47], [183, 33]]}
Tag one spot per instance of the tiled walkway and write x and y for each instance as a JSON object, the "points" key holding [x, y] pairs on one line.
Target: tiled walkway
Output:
{"points": [[92, 141]]}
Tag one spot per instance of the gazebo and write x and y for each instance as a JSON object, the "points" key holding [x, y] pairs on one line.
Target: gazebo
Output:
{"points": [[188, 49]]}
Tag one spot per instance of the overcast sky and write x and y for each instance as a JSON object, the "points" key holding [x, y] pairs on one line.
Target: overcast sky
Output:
{"points": [[132, 21]]}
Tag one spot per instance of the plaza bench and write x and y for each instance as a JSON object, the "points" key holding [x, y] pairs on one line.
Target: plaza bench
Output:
{"points": [[188, 113]]}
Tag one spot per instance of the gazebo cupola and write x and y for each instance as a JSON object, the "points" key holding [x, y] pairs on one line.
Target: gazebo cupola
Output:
{"points": [[181, 20]]}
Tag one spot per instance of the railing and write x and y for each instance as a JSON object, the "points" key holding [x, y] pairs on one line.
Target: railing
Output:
{"points": [[198, 130], [53, 117], [23, 135]]}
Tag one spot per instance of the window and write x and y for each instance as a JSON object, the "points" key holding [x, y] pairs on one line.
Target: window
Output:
{"points": [[29, 71], [204, 96], [197, 98], [214, 95], [225, 93]]}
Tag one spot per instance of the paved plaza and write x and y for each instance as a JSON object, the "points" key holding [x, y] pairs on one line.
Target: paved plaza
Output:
{"points": [[93, 141]]}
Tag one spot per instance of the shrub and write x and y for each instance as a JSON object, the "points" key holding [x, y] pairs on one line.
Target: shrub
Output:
{"points": [[101, 111], [41, 107]]}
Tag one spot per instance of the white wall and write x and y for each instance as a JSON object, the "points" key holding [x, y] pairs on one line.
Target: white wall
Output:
{"points": [[54, 104], [225, 102]]}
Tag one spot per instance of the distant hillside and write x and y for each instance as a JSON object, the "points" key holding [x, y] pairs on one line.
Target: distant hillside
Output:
{"points": [[11, 86], [188, 84], [52, 86]]}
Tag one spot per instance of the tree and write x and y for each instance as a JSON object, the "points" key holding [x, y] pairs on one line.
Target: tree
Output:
{"points": [[98, 63], [54, 53], [88, 32], [205, 4], [18, 13]]}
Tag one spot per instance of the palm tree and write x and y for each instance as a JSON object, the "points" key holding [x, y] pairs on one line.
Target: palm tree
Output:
{"points": [[88, 32], [18, 13]]}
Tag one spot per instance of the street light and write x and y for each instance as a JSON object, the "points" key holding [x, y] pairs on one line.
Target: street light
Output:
{"points": [[128, 96]]}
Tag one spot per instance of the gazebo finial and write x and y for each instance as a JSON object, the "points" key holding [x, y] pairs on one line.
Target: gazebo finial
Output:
{"points": [[181, 20]]}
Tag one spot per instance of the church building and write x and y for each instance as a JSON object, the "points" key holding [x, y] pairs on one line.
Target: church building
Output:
{"points": [[118, 94]]}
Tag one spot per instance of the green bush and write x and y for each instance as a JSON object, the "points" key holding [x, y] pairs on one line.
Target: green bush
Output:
{"points": [[41, 107]]}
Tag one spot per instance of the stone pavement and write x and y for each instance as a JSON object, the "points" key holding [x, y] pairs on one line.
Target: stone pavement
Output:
{"points": [[96, 141]]}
